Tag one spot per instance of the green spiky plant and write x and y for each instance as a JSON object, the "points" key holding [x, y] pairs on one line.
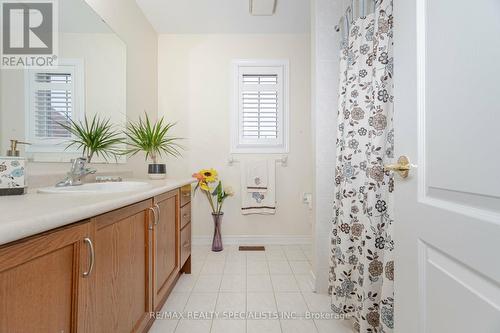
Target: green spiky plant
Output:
{"points": [[152, 138], [97, 137]]}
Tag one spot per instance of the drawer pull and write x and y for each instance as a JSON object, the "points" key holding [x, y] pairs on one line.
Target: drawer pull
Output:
{"points": [[88, 241], [186, 195], [186, 244], [158, 216], [155, 217]]}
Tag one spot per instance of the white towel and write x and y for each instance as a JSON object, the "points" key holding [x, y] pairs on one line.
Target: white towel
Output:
{"points": [[257, 176], [258, 194]]}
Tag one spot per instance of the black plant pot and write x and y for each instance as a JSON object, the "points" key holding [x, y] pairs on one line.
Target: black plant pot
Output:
{"points": [[157, 171]]}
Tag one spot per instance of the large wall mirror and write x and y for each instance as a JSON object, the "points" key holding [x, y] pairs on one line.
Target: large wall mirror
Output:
{"points": [[90, 79]]}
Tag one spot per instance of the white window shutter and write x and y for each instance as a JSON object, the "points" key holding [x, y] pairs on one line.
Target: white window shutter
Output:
{"points": [[260, 113], [53, 94]]}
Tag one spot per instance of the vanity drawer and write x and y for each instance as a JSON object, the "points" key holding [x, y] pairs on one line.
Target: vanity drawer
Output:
{"points": [[185, 215], [185, 243], [185, 194]]}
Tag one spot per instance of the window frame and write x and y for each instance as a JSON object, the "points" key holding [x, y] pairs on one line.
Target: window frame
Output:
{"points": [[240, 145], [78, 92]]}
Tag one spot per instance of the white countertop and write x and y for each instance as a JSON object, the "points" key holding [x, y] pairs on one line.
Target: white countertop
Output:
{"points": [[26, 215]]}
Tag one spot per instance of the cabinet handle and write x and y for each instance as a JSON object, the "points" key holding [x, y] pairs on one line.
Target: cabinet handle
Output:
{"points": [[155, 217], [186, 244], [90, 245], [186, 194], [185, 216], [158, 216]]}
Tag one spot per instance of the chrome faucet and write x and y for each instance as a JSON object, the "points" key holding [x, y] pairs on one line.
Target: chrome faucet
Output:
{"points": [[77, 173]]}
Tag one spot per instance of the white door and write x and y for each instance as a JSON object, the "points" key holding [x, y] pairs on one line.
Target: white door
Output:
{"points": [[447, 121]]}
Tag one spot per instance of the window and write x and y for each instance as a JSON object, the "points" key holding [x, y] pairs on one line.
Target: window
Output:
{"points": [[53, 96], [260, 111]]}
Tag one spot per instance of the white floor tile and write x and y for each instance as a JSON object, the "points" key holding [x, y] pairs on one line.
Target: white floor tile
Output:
{"points": [[300, 267], [228, 326], [216, 256], [207, 283], [284, 283], [256, 256], [263, 326], [304, 281], [257, 268], [213, 268], [231, 302], [295, 255], [298, 326], [193, 326], [235, 267], [332, 325], [318, 302], [201, 302], [236, 256], [259, 283], [175, 302], [279, 268], [291, 302], [275, 255], [163, 326], [261, 302], [233, 283], [185, 283]]}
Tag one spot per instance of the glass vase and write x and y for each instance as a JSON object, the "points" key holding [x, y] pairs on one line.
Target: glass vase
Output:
{"points": [[217, 241]]}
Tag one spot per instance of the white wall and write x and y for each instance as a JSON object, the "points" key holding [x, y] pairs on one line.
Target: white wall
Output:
{"points": [[195, 89], [325, 54]]}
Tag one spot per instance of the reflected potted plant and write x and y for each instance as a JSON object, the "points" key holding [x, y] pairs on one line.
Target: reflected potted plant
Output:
{"points": [[97, 137], [153, 139], [216, 194]]}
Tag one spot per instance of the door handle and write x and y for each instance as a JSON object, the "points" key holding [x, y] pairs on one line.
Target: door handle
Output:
{"points": [[403, 166], [155, 217], [159, 214], [90, 245]]}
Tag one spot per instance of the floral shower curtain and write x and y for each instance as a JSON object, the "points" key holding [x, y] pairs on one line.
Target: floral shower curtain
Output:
{"points": [[362, 266]]}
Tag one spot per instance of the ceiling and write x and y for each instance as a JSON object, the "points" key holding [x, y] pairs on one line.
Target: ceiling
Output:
{"points": [[224, 16], [76, 16]]}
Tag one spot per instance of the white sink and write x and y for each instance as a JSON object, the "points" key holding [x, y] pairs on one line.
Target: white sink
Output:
{"points": [[98, 188]]}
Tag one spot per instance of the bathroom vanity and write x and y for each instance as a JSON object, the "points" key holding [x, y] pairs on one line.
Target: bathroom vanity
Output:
{"points": [[103, 273]]}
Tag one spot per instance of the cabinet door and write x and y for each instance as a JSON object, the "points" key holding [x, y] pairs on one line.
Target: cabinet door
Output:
{"points": [[43, 287], [123, 269], [165, 246]]}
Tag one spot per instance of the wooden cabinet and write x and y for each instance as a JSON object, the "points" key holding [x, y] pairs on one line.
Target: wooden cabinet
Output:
{"points": [[103, 275], [45, 282], [123, 275], [185, 243], [165, 246]]}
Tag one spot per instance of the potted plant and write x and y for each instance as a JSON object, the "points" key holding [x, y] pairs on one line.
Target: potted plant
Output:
{"points": [[216, 195], [153, 139], [97, 137]]}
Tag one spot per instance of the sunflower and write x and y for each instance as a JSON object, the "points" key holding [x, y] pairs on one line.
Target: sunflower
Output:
{"points": [[209, 175], [204, 186]]}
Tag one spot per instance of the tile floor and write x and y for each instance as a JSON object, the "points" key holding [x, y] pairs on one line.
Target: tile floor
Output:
{"points": [[231, 283]]}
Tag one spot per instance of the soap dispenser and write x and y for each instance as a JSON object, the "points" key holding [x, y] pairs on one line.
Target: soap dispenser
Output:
{"points": [[12, 171]]}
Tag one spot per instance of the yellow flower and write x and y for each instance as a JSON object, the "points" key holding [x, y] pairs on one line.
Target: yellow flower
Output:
{"points": [[204, 186], [209, 175]]}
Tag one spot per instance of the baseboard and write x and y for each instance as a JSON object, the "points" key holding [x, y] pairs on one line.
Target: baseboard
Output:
{"points": [[254, 240]]}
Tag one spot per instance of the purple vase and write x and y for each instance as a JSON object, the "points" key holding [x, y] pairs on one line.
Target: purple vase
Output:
{"points": [[217, 241]]}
